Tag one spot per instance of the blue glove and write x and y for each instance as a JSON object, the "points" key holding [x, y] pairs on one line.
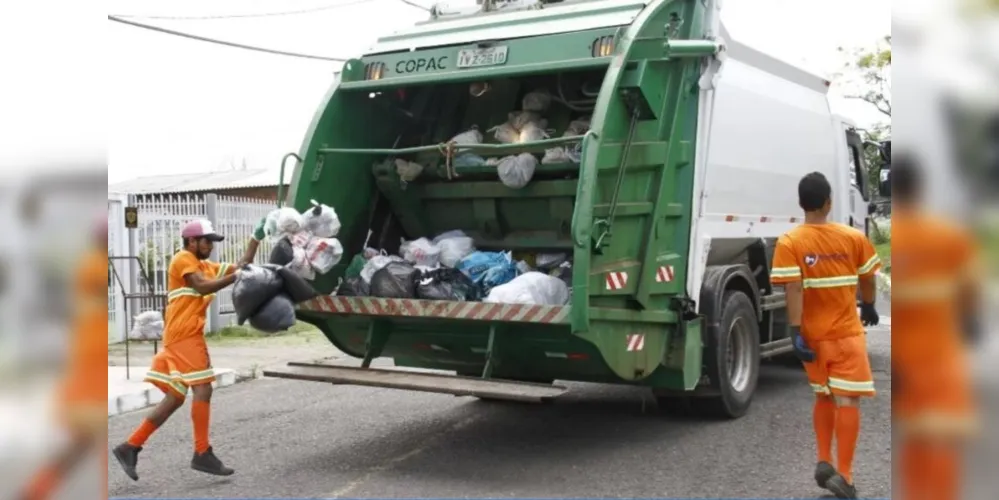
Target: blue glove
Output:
{"points": [[801, 349], [869, 315]]}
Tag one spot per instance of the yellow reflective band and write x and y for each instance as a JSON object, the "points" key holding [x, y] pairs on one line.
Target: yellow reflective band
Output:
{"points": [[871, 264], [927, 290], [223, 268], [786, 272], [836, 282], [820, 389], [198, 376], [846, 385], [159, 377]]}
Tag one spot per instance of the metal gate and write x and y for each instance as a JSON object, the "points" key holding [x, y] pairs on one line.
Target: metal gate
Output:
{"points": [[117, 247]]}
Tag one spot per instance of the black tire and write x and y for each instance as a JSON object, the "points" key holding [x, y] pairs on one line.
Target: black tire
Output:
{"points": [[734, 390]]}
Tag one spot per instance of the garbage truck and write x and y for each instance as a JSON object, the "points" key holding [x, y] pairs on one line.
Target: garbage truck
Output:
{"points": [[670, 208]]}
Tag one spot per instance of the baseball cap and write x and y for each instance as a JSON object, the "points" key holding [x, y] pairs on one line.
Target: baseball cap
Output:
{"points": [[200, 229]]}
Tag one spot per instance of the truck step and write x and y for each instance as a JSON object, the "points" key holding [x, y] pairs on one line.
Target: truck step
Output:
{"points": [[429, 309], [421, 382]]}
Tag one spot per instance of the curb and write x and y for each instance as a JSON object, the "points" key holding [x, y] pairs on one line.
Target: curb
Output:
{"points": [[151, 396]]}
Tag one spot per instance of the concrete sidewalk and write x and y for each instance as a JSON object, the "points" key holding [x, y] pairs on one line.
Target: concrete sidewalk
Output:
{"points": [[242, 359]]}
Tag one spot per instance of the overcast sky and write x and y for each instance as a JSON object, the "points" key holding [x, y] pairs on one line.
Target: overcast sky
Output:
{"points": [[180, 106]]}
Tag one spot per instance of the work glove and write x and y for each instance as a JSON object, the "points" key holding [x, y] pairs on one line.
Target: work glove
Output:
{"points": [[258, 230], [801, 349], [869, 315]]}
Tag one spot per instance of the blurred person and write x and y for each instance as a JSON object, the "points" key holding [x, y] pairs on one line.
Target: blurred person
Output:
{"points": [[83, 391], [184, 363], [936, 266], [820, 265]]}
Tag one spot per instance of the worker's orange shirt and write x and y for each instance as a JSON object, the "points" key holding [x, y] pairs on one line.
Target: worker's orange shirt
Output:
{"points": [[187, 309], [931, 260], [88, 344], [828, 260]]}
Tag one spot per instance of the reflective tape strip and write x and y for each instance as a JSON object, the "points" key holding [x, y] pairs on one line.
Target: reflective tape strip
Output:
{"points": [[926, 290], [786, 272], [820, 389], [182, 292], [836, 282], [871, 264], [223, 268], [846, 385], [164, 379]]}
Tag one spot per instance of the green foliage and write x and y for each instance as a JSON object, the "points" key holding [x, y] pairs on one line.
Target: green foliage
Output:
{"points": [[155, 253], [867, 75]]}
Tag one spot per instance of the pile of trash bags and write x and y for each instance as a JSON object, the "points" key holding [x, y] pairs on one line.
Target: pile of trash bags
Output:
{"points": [[147, 326], [305, 242], [266, 296], [450, 268]]}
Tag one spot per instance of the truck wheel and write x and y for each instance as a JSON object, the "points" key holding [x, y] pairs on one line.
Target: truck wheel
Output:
{"points": [[732, 359]]}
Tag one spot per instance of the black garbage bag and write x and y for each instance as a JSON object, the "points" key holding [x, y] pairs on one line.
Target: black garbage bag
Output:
{"points": [[354, 287], [448, 284], [277, 315], [283, 253], [564, 273], [254, 287], [397, 280], [296, 287]]}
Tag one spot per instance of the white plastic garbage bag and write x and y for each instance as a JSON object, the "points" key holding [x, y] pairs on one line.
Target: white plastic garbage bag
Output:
{"points": [[408, 171], [300, 264], [493, 162], [376, 264], [516, 172], [518, 119], [421, 252], [555, 156], [469, 137], [324, 253], [148, 326], [289, 221], [532, 132], [538, 101], [531, 288], [455, 249], [322, 221], [457, 233], [505, 133]]}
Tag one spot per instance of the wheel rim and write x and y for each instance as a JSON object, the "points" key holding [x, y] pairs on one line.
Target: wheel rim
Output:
{"points": [[739, 354]]}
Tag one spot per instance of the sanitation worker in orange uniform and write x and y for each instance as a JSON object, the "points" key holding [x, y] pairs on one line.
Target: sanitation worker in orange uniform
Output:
{"points": [[936, 267], [184, 363], [82, 395], [820, 265]]}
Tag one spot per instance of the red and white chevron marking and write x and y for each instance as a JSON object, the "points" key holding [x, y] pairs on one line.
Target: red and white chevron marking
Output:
{"points": [[473, 311], [665, 274], [617, 281], [636, 343]]}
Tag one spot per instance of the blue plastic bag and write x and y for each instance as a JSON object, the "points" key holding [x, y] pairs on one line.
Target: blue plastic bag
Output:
{"points": [[489, 269]]}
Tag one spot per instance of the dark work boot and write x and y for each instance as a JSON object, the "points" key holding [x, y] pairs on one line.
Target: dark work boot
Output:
{"points": [[128, 457], [842, 489], [823, 473], [208, 463]]}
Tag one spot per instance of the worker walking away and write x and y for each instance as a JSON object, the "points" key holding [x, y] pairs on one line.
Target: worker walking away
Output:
{"points": [[820, 264], [82, 393], [936, 265], [184, 363]]}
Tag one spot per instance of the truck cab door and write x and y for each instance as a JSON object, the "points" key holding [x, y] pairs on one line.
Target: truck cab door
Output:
{"points": [[859, 196]]}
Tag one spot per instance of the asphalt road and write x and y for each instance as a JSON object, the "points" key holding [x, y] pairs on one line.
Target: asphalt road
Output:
{"points": [[299, 439]]}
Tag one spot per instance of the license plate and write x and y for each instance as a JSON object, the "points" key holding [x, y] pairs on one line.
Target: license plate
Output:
{"points": [[475, 58]]}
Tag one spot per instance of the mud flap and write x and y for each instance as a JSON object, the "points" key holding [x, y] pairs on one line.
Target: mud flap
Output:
{"points": [[421, 382]]}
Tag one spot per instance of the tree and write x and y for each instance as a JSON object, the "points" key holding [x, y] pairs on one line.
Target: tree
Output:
{"points": [[867, 76]]}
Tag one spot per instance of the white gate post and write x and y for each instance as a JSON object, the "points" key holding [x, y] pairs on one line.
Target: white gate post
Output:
{"points": [[211, 213]]}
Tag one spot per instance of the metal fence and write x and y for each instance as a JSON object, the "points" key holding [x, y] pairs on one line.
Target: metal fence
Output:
{"points": [[157, 238]]}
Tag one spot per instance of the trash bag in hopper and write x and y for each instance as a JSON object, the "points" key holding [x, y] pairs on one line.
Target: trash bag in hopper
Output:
{"points": [[321, 221], [376, 264], [468, 160], [537, 101], [295, 286], [516, 172], [532, 288], [468, 138], [300, 264], [449, 234], [505, 133], [277, 315], [532, 132], [395, 281], [493, 162], [147, 326], [556, 155], [519, 119], [455, 249], [421, 252], [324, 253], [408, 171], [546, 262], [564, 273], [255, 285], [447, 284], [353, 287], [289, 221], [488, 270], [283, 253]]}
